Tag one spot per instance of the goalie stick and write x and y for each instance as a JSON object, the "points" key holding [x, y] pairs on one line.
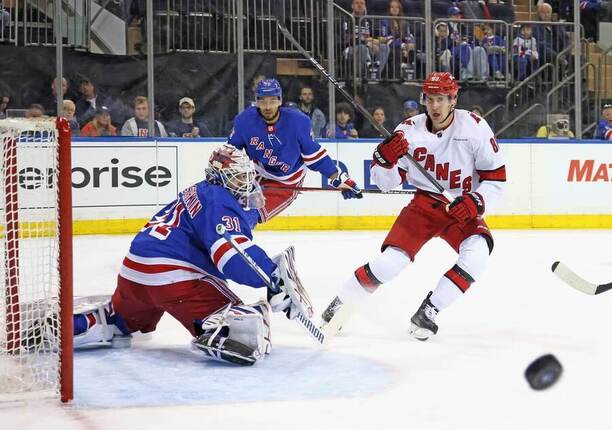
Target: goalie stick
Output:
{"points": [[306, 323], [278, 187], [278, 12], [568, 276]]}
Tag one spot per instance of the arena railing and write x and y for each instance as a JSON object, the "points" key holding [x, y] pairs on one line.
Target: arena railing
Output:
{"points": [[518, 127], [474, 51], [35, 21]]}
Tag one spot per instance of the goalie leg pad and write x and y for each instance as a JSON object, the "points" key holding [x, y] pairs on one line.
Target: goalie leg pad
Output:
{"points": [[237, 333], [96, 324]]}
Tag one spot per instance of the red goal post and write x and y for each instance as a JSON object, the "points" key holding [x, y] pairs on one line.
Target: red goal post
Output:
{"points": [[36, 257]]}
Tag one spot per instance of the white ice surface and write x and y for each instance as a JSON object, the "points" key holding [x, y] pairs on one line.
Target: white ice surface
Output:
{"points": [[373, 376]]}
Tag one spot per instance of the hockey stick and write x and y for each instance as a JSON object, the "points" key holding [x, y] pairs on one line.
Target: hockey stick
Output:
{"points": [[305, 322], [278, 12], [568, 276], [404, 192]]}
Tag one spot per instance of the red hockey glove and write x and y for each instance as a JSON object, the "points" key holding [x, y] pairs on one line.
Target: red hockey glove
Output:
{"points": [[466, 207], [391, 149]]}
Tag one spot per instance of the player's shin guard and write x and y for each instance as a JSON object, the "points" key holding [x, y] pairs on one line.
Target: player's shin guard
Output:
{"points": [[238, 334], [473, 257], [365, 280]]}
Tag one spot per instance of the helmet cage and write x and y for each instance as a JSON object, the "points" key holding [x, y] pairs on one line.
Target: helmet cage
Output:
{"points": [[232, 169]]}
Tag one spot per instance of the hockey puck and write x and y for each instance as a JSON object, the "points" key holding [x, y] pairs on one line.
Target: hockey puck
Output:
{"points": [[543, 372]]}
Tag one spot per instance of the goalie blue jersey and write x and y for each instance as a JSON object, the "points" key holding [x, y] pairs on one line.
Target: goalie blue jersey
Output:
{"points": [[180, 243], [281, 151]]}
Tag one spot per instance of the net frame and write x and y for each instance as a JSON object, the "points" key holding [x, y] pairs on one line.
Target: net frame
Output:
{"points": [[52, 356]]}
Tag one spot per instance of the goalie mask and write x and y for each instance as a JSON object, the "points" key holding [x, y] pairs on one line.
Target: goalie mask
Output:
{"points": [[232, 169]]}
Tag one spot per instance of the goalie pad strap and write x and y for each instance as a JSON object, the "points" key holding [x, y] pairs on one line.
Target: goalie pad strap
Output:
{"points": [[366, 278], [459, 277]]}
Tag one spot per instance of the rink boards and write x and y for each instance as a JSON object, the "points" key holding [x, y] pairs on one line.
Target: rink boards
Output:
{"points": [[118, 183]]}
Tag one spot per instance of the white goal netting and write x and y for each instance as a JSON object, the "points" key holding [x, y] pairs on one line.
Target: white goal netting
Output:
{"points": [[29, 258]]}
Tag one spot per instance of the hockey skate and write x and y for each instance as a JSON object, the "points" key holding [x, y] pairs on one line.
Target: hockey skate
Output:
{"points": [[221, 348], [422, 324]]}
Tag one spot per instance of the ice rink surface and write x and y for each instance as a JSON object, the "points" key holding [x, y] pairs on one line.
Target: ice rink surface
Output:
{"points": [[373, 375]]}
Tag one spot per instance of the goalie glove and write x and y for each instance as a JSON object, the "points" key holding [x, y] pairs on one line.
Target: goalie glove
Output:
{"points": [[466, 207], [390, 150], [350, 189], [288, 295]]}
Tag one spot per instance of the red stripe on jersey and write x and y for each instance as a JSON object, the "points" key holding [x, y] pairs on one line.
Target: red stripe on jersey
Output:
{"points": [[608, 135], [154, 268], [315, 156], [498, 174], [220, 252], [462, 283]]}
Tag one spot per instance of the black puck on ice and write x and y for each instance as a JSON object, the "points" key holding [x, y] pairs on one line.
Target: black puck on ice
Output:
{"points": [[543, 372]]}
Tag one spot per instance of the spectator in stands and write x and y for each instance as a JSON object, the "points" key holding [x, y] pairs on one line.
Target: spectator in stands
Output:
{"points": [[69, 114], [381, 119], [496, 51], [89, 100], [4, 102], [139, 124], [589, 18], [604, 126], [552, 39], [5, 21], [399, 39], [442, 48], [100, 125], [306, 105], [344, 126], [185, 126], [411, 108], [35, 111], [480, 57], [49, 102], [372, 56], [525, 52], [256, 80], [558, 125], [462, 61]]}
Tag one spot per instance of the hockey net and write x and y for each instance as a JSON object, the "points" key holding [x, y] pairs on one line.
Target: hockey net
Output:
{"points": [[35, 259]]}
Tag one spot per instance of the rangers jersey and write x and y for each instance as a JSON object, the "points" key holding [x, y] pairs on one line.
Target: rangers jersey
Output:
{"points": [[180, 242], [604, 130], [464, 157], [283, 150]]}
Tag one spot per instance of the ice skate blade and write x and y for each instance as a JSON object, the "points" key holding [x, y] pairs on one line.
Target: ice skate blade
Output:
{"points": [[420, 333]]}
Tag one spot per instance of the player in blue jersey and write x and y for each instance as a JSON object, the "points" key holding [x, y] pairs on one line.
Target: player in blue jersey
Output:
{"points": [[279, 140], [604, 125], [179, 264]]}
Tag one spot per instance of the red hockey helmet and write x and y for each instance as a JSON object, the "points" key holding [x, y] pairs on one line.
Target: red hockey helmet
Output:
{"points": [[440, 83]]}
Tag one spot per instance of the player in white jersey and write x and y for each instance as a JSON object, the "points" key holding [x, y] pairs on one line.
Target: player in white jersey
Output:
{"points": [[459, 149]]}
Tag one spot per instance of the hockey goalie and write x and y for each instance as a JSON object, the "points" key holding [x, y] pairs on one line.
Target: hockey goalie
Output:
{"points": [[179, 264]]}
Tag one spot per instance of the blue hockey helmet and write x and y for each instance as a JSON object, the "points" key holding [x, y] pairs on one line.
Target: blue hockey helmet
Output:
{"points": [[269, 88]]}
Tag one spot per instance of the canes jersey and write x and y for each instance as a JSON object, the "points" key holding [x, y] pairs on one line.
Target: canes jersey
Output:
{"points": [[180, 242], [283, 150], [464, 157]]}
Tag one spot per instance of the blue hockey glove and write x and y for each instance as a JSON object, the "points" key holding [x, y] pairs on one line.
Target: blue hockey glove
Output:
{"points": [[350, 189]]}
